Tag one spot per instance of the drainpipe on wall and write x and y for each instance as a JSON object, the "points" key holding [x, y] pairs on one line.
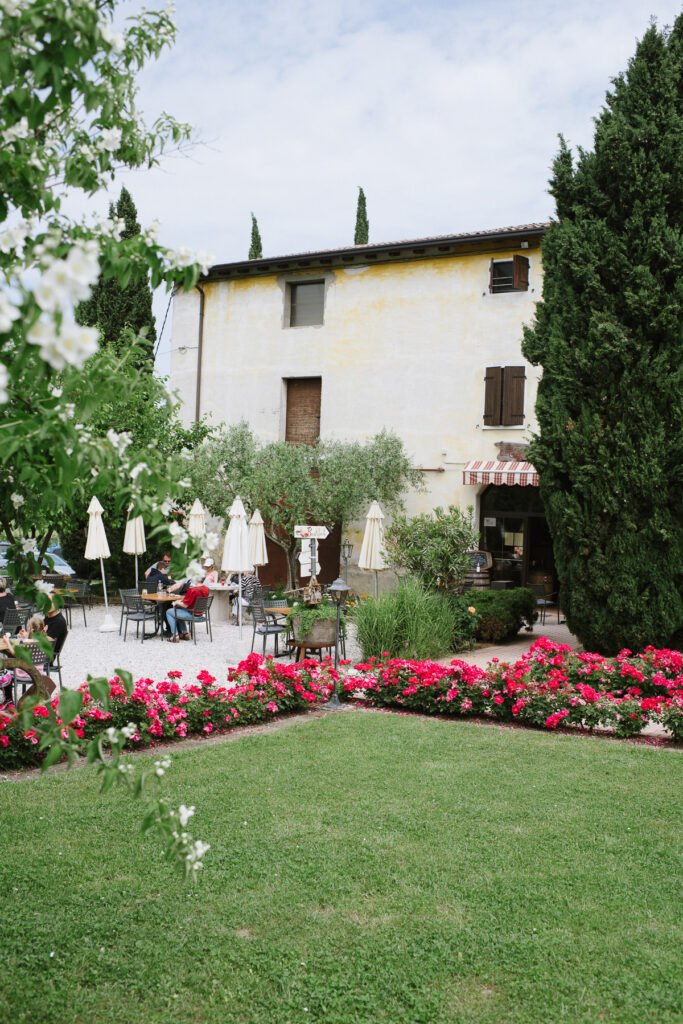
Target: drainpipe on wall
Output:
{"points": [[200, 344]]}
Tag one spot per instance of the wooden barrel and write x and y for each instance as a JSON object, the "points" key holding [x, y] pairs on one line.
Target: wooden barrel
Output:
{"points": [[477, 580]]}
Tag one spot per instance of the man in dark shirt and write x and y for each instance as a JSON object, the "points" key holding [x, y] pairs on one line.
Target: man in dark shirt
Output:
{"points": [[6, 599], [55, 627]]}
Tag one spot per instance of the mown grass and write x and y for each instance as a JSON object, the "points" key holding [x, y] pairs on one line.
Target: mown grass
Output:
{"points": [[364, 868]]}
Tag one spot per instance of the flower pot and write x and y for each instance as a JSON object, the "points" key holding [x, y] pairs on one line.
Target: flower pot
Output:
{"points": [[321, 632]]}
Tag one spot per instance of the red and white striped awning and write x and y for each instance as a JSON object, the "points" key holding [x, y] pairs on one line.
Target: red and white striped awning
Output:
{"points": [[511, 474]]}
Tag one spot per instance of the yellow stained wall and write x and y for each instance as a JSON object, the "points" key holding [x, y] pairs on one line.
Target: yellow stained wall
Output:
{"points": [[404, 346]]}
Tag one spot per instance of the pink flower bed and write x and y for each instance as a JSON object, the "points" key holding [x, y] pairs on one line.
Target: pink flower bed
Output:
{"points": [[550, 686], [255, 691]]}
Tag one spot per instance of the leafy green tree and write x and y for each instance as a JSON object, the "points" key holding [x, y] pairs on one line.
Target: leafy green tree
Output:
{"points": [[433, 547], [115, 308], [68, 117], [362, 232], [608, 336], [256, 248], [327, 483]]}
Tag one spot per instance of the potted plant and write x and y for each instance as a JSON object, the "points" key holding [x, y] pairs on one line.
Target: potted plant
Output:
{"points": [[316, 624]]}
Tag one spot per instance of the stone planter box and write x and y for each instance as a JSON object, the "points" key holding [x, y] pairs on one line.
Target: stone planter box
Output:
{"points": [[322, 632]]}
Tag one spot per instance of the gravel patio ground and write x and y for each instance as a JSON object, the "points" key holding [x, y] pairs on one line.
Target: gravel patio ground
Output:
{"points": [[89, 651]]}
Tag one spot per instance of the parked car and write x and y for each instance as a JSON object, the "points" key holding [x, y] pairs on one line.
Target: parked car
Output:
{"points": [[60, 566]]}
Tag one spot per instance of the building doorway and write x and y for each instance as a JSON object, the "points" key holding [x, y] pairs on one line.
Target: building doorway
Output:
{"points": [[514, 529]]}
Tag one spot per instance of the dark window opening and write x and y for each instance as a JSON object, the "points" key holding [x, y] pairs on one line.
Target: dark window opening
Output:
{"points": [[306, 303], [509, 275]]}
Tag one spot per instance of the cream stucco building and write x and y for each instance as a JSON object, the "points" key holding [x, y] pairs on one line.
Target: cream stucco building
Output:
{"points": [[421, 337]]}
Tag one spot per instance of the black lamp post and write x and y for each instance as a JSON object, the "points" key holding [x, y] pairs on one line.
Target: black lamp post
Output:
{"points": [[338, 591], [347, 551]]}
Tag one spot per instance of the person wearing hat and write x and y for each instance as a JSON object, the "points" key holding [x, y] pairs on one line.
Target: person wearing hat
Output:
{"points": [[211, 573]]}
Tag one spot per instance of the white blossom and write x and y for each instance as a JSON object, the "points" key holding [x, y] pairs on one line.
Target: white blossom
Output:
{"points": [[17, 499], [110, 139], [194, 570], [114, 39], [29, 546], [12, 7], [184, 814], [136, 470], [8, 314], [43, 587], [210, 541], [119, 441], [129, 730], [4, 381], [178, 535], [166, 508], [20, 130], [55, 391], [72, 347]]}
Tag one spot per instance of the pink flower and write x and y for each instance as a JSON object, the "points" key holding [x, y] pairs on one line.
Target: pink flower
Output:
{"points": [[272, 706], [208, 728]]}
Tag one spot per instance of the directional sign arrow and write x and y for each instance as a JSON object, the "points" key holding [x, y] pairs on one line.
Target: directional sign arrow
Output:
{"points": [[311, 532]]}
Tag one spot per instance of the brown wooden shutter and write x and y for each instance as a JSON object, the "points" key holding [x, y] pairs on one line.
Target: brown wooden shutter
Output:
{"points": [[520, 273], [303, 410], [513, 396], [491, 276], [492, 395]]}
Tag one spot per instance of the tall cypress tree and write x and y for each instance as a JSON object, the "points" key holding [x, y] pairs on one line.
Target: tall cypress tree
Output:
{"points": [[113, 308], [609, 336], [255, 249], [362, 232]]}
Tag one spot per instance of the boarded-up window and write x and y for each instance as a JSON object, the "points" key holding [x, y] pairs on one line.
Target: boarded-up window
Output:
{"points": [[306, 303], [302, 424], [504, 396], [509, 275]]}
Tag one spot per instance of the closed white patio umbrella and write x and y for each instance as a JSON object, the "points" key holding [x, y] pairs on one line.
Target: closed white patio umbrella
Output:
{"points": [[372, 553], [257, 541], [196, 526], [96, 546], [236, 549], [134, 542]]}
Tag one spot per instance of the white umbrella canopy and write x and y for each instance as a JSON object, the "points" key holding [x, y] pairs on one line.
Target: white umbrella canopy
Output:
{"points": [[236, 556], [134, 542], [96, 546], [372, 552], [257, 540], [196, 526]]}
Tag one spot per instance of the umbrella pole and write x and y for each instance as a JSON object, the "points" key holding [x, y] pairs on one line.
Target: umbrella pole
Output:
{"points": [[376, 583], [136, 572], [239, 601], [108, 626]]}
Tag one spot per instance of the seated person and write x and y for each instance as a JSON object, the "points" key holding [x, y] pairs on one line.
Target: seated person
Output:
{"points": [[55, 627], [211, 573], [6, 599], [182, 611], [250, 585], [166, 559], [159, 574]]}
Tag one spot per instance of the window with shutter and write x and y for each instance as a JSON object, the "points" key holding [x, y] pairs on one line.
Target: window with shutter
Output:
{"points": [[509, 275], [504, 396]]}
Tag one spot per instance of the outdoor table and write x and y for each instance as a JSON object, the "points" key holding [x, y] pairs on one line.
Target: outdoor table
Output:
{"points": [[309, 645], [161, 602], [222, 594]]}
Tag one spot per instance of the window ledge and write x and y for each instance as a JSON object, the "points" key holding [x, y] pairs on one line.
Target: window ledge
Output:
{"points": [[520, 426]]}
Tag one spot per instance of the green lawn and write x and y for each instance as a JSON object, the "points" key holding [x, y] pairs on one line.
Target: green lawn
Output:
{"points": [[364, 868]]}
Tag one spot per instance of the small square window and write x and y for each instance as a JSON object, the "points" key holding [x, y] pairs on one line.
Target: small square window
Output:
{"points": [[509, 275], [306, 303]]}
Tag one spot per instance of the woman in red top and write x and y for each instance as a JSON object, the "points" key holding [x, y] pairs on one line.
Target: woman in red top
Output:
{"points": [[181, 612]]}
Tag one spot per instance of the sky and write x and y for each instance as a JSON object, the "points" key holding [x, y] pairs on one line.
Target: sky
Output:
{"points": [[446, 112]]}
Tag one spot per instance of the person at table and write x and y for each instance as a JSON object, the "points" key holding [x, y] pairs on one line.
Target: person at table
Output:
{"points": [[166, 559], [210, 572], [7, 601], [159, 574], [249, 584], [181, 612], [56, 629]]}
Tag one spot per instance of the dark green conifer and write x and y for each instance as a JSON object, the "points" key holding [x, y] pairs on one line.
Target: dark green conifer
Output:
{"points": [[113, 308], [362, 232], [609, 337], [256, 248]]}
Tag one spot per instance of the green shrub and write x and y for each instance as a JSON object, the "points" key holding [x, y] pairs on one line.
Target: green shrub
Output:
{"points": [[433, 548], [465, 621], [501, 613], [408, 623]]}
